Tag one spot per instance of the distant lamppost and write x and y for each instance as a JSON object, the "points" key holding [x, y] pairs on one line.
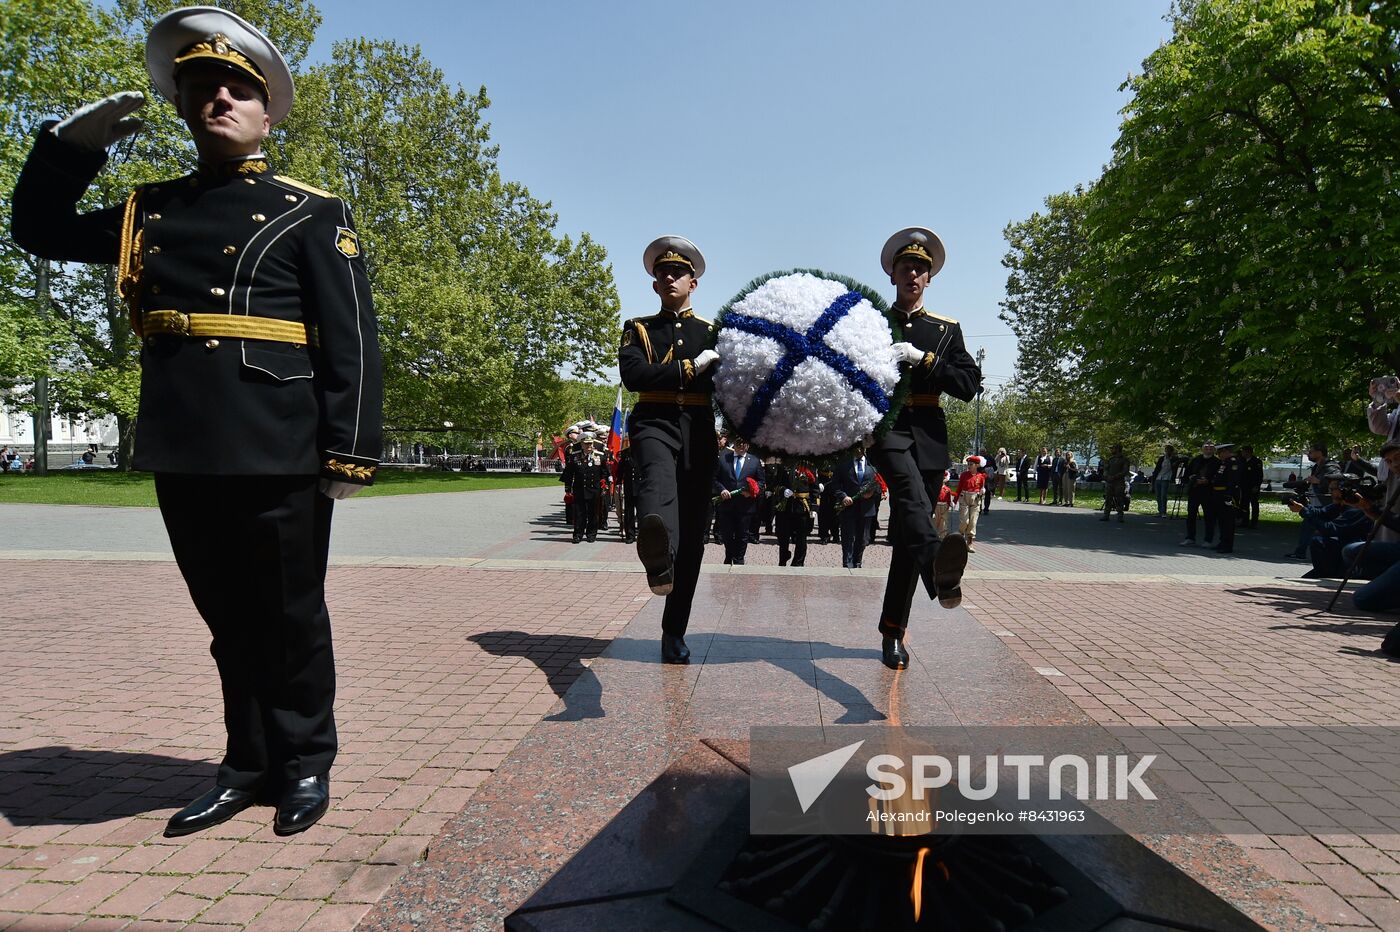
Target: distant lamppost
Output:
{"points": [[977, 429]]}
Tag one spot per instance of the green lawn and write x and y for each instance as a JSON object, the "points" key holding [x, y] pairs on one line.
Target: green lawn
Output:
{"points": [[137, 489]]}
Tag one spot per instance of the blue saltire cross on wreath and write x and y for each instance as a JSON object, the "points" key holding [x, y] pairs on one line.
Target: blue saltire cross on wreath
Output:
{"points": [[800, 346]]}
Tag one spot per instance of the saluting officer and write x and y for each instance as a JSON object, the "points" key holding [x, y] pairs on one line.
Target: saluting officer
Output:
{"points": [[260, 384], [664, 358], [913, 455]]}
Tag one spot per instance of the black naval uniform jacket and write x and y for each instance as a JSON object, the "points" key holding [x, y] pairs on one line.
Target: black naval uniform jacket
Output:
{"points": [[584, 476], [946, 367], [656, 356], [237, 241]]}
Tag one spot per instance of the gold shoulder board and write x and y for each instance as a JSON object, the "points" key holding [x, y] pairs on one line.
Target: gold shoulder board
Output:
{"points": [[303, 186], [946, 320]]}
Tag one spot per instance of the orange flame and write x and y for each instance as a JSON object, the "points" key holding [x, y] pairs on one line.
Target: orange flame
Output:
{"points": [[917, 893]]}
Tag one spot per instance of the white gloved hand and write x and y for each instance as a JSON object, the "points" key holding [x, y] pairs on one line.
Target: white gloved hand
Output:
{"points": [[821, 487], [706, 359], [787, 493], [334, 488], [93, 127], [907, 352]]}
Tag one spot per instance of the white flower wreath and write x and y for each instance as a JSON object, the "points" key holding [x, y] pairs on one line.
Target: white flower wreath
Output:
{"points": [[805, 367]]}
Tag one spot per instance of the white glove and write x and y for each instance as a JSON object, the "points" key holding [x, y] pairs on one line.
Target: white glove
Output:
{"points": [[907, 352], [93, 127], [787, 493], [706, 359], [334, 488], [821, 487]]}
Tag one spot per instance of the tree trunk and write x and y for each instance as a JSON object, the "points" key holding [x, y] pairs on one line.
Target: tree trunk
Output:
{"points": [[126, 441]]}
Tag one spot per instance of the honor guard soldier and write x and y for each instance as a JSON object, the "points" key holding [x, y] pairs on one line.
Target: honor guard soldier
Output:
{"points": [[1224, 491], [664, 358], [260, 384], [794, 490], [913, 454]]}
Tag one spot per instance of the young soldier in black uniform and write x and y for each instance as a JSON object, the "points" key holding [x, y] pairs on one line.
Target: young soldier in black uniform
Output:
{"points": [[914, 453], [663, 358], [260, 384], [793, 491], [1224, 490]]}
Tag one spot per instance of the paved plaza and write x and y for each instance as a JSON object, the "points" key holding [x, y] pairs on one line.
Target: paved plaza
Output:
{"points": [[485, 660]]}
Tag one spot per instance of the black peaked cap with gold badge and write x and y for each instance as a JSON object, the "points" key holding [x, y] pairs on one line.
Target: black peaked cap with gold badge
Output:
{"points": [[260, 350], [946, 367]]}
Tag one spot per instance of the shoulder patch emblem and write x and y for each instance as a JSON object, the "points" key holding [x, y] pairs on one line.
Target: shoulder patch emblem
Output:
{"points": [[346, 242], [303, 186], [627, 335]]}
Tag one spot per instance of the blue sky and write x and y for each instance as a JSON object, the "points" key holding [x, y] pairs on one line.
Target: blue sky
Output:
{"points": [[783, 134]]}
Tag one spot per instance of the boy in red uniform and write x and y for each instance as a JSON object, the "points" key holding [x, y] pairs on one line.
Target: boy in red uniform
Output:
{"points": [[971, 484]]}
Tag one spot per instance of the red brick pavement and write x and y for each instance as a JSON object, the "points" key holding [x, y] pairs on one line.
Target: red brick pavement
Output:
{"points": [[1157, 654], [112, 721]]}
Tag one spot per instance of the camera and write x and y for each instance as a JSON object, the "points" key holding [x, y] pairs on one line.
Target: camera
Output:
{"points": [[1356, 488]]}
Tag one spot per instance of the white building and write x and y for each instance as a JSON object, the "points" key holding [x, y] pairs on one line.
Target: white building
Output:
{"points": [[65, 434]]}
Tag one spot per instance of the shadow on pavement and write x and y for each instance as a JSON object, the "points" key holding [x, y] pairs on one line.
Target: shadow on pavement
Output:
{"points": [[59, 785], [561, 658]]}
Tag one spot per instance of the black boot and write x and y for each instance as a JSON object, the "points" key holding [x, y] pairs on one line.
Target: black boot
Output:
{"points": [[673, 649], [654, 550], [218, 805], [302, 805], [949, 561], [893, 653]]}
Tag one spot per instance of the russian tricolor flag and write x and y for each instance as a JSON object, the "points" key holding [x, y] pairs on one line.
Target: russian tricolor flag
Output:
{"points": [[615, 435]]}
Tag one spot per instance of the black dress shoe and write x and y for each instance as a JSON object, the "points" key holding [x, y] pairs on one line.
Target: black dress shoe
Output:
{"points": [[218, 805], [893, 654], [948, 565], [654, 550], [302, 805], [673, 649], [1391, 645]]}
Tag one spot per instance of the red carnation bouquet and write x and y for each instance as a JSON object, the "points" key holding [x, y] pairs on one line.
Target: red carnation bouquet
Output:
{"points": [[749, 489]]}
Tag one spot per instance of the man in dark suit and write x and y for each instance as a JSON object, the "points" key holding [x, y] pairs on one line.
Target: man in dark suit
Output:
{"points": [[665, 360], [260, 384], [1024, 464], [913, 454], [734, 513], [859, 500]]}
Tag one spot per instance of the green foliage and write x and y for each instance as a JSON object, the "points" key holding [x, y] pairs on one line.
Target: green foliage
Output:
{"points": [[481, 304], [1232, 274]]}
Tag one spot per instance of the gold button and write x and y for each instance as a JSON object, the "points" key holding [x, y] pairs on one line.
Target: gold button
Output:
{"points": [[230, 250], [250, 181], [155, 250], [217, 292], [291, 197], [259, 217], [153, 216], [680, 343], [155, 289], [211, 344], [678, 325]]}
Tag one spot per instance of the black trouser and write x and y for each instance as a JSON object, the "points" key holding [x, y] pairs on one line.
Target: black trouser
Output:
{"points": [[604, 506], [854, 530], [793, 525], [912, 537], [1023, 487], [1199, 499], [675, 484], [826, 517], [734, 524], [1055, 488], [629, 514], [253, 553], [1221, 515], [585, 517], [1249, 505]]}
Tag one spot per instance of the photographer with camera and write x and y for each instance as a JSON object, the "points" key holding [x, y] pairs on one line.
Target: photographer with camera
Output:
{"points": [[1200, 473], [1379, 560], [1330, 527], [1313, 492]]}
